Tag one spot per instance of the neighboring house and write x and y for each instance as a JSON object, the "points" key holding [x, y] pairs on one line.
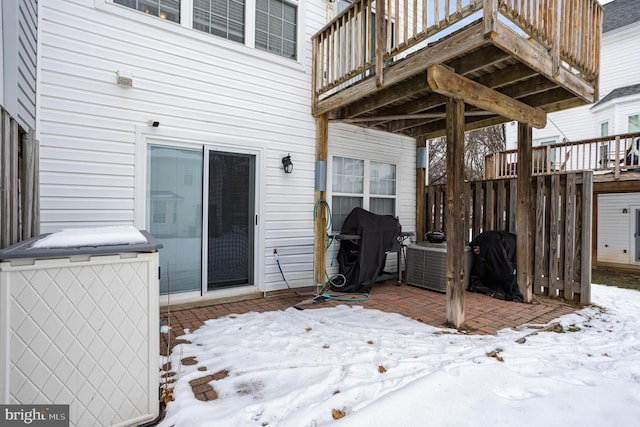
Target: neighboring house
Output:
{"points": [[618, 108], [617, 242], [174, 116]]}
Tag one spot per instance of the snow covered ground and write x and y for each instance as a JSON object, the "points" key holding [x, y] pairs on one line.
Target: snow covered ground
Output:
{"points": [[365, 368]]}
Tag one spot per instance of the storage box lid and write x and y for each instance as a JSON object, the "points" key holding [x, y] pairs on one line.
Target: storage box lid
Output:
{"points": [[26, 249]]}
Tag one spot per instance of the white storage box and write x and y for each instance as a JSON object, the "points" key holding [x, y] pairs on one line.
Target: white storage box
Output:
{"points": [[80, 326], [427, 266]]}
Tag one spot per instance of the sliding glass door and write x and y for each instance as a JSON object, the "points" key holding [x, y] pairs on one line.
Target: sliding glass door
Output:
{"points": [[174, 215]]}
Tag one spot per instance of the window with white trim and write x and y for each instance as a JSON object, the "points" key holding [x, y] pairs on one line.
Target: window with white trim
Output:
{"points": [[633, 123], [368, 184], [165, 9], [604, 129], [275, 29], [223, 18], [276, 22]]}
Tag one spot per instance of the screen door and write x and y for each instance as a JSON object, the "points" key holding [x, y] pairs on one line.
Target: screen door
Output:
{"points": [[229, 219]]}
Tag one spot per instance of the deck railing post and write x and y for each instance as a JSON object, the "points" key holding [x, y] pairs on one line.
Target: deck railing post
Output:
{"points": [[380, 41], [556, 36], [616, 165], [490, 17]]}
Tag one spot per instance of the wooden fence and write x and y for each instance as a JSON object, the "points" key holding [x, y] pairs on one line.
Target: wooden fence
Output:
{"points": [[19, 187], [561, 233]]}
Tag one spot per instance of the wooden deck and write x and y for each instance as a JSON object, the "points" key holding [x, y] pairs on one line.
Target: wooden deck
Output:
{"points": [[506, 59], [428, 68]]}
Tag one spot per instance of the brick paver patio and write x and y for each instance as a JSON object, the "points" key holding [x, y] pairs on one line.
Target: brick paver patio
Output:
{"points": [[483, 314]]}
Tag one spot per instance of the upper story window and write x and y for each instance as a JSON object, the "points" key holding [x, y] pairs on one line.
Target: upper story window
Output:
{"points": [[276, 27], [165, 9], [224, 18]]}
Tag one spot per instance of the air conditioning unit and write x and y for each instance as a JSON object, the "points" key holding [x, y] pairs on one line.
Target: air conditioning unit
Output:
{"points": [[427, 266]]}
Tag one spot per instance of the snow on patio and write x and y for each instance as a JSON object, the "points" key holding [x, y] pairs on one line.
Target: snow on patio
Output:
{"points": [[363, 367]]}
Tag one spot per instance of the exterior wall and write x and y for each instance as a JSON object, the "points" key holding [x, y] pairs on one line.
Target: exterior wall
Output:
{"points": [[203, 90], [617, 69], [18, 31], [615, 230]]}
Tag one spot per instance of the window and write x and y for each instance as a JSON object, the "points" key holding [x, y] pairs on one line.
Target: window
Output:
{"points": [[350, 189], [604, 129], [276, 27], [382, 178], [165, 9], [224, 18], [343, 4], [634, 123], [159, 212]]}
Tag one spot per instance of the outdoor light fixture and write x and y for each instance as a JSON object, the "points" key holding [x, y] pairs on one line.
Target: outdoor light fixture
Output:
{"points": [[625, 210], [153, 123], [287, 165]]}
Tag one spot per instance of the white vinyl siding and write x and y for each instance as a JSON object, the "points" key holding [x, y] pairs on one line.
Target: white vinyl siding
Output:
{"points": [[202, 90]]}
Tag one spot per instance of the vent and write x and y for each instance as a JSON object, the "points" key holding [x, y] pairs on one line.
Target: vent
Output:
{"points": [[427, 266]]}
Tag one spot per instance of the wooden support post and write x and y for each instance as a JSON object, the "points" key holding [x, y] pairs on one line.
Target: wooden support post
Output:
{"points": [[421, 196], [455, 212], [524, 226], [320, 219]]}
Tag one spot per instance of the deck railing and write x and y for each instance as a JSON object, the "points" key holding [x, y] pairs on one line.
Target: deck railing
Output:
{"points": [[362, 38], [616, 153]]}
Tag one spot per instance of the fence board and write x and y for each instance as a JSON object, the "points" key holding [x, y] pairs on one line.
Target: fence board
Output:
{"points": [[561, 216], [569, 236], [477, 209], [19, 194], [5, 180], [587, 218], [539, 270]]}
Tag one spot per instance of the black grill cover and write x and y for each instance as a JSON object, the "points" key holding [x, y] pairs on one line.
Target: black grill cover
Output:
{"points": [[362, 260], [494, 266]]}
